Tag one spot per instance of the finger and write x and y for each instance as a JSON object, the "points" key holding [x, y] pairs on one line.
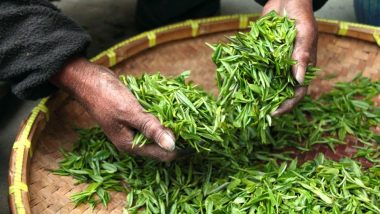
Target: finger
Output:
{"points": [[289, 104], [151, 128], [119, 134], [304, 50], [123, 140], [152, 151]]}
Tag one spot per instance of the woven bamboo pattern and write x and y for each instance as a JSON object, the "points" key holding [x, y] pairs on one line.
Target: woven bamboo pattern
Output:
{"points": [[169, 50]]}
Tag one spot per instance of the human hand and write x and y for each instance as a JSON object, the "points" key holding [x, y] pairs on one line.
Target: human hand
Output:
{"points": [[305, 47], [115, 108]]}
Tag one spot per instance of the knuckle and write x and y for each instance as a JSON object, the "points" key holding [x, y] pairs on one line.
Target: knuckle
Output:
{"points": [[147, 123], [303, 57], [151, 127], [127, 110], [125, 146], [121, 138]]}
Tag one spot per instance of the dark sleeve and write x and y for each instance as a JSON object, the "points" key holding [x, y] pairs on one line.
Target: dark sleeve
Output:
{"points": [[36, 40], [154, 13], [317, 4]]}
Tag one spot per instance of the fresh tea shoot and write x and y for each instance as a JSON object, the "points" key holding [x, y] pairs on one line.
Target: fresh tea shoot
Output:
{"points": [[191, 113], [318, 186], [96, 161], [254, 72], [209, 184], [242, 181], [228, 174], [348, 109]]}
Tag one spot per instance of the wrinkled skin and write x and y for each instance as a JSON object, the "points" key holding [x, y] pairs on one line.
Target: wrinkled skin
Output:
{"points": [[115, 109], [305, 47]]}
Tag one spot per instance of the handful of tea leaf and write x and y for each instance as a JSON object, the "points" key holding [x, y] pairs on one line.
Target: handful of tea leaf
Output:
{"points": [[191, 113], [254, 72]]}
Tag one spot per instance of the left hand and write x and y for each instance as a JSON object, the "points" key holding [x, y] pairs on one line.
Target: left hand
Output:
{"points": [[305, 47], [115, 109]]}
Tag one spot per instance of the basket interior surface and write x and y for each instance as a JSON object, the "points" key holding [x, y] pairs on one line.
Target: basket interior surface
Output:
{"points": [[339, 58]]}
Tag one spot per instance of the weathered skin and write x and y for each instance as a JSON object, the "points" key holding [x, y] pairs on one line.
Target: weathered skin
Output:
{"points": [[305, 47], [115, 109]]}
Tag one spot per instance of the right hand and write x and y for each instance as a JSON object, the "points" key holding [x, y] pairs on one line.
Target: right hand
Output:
{"points": [[305, 46], [115, 108]]}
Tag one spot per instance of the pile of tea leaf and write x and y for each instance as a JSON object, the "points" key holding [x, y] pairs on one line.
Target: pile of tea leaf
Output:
{"points": [[318, 186], [254, 73], [209, 184], [242, 181], [348, 109], [191, 113], [227, 175]]}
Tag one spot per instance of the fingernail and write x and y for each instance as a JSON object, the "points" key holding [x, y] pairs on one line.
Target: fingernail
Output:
{"points": [[274, 114], [300, 75], [167, 142]]}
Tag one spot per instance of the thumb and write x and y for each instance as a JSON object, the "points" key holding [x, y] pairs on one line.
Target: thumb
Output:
{"points": [[304, 51], [151, 128]]}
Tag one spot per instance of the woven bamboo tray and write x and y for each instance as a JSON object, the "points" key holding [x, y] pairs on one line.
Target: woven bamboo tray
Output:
{"points": [[344, 49]]}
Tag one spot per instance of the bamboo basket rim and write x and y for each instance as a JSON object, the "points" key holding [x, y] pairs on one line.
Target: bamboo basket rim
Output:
{"points": [[33, 125]]}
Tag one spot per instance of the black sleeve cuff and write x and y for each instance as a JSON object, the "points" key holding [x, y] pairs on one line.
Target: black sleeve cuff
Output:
{"points": [[36, 40], [317, 4]]}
